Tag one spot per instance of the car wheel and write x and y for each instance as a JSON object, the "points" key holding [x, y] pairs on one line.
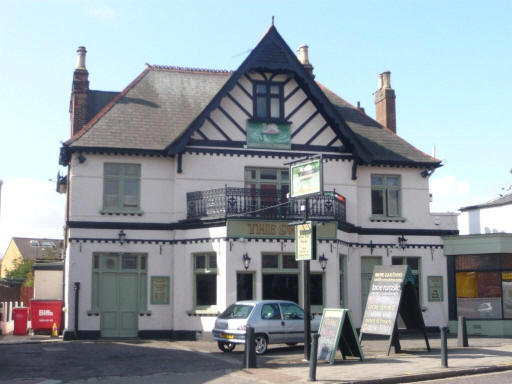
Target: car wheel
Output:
{"points": [[226, 347], [261, 342], [291, 344]]}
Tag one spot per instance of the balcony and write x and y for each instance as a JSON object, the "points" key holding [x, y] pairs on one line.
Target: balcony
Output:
{"points": [[267, 204]]}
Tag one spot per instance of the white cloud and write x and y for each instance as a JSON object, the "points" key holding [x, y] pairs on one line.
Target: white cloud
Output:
{"points": [[30, 208], [449, 194], [103, 12]]}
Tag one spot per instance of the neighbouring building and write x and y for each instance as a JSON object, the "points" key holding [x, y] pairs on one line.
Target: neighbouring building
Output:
{"points": [[177, 196], [480, 268]]}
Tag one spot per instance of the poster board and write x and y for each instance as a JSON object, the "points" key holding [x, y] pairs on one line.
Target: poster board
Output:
{"points": [[435, 288], [305, 241], [159, 290], [392, 293], [337, 332], [306, 178]]}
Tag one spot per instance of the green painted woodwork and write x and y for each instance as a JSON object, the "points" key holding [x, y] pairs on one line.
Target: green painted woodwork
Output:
{"points": [[478, 244], [275, 229], [121, 188], [119, 292], [484, 327], [367, 264], [160, 289]]}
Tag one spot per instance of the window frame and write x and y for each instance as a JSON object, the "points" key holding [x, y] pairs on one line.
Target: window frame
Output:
{"points": [[268, 96], [120, 179], [415, 272], [385, 200], [207, 270]]}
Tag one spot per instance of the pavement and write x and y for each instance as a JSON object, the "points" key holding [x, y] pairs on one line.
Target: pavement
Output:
{"points": [[200, 361]]}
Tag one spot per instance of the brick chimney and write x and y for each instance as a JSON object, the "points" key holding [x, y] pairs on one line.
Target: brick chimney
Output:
{"points": [[385, 102], [303, 56], [79, 91]]}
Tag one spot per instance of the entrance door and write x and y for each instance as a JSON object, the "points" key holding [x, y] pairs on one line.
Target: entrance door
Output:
{"points": [[118, 297], [367, 264]]}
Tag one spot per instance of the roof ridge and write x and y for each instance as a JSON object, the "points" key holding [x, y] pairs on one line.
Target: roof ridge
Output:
{"points": [[172, 68], [382, 127], [106, 108]]}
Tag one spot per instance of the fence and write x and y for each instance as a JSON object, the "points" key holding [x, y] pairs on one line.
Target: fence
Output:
{"points": [[6, 319]]}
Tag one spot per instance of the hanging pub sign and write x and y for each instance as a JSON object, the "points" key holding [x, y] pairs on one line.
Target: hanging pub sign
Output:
{"points": [[306, 178], [337, 332], [392, 293], [305, 241]]}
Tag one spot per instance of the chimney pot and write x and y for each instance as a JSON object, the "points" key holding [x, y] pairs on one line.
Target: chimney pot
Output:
{"points": [[303, 56], [385, 102], [80, 62]]}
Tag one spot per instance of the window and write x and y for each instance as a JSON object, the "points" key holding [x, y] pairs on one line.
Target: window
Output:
{"points": [[316, 292], [244, 286], [292, 312], [268, 101], [267, 187], [121, 188], [270, 312], [280, 277], [484, 286], [205, 280], [414, 265], [386, 195]]}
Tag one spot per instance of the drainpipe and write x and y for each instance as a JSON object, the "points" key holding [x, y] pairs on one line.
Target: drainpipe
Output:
{"points": [[77, 296]]}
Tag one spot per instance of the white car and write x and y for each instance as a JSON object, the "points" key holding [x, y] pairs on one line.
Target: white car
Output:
{"points": [[274, 322]]}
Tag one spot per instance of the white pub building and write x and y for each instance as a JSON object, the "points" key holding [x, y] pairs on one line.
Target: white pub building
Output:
{"points": [[177, 197]]}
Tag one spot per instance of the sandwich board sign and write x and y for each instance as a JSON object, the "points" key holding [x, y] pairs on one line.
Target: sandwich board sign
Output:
{"points": [[392, 292], [337, 332]]}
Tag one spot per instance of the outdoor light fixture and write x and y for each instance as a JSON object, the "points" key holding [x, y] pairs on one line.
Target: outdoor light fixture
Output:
{"points": [[402, 242], [246, 260], [323, 261], [81, 158], [122, 237]]}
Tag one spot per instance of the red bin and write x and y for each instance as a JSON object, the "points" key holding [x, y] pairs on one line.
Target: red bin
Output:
{"points": [[44, 313], [20, 316]]}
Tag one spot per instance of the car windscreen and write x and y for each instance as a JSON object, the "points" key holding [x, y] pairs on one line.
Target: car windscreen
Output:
{"points": [[237, 311]]}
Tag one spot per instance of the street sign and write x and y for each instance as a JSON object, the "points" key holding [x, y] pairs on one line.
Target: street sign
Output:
{"points": [[306, 178], [304, 241]]}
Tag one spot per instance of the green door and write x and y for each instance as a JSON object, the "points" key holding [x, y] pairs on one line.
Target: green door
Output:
{"points": [[367, 264], [118, 295]]}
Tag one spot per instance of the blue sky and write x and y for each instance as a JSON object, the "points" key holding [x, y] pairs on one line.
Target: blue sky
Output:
{"points": [[451, 64]]}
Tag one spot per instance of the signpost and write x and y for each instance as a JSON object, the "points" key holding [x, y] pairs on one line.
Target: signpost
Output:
{"points": [[337, 332], [306, 179], [392, 292]]}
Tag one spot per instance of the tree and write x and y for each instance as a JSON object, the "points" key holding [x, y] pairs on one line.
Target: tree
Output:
{"points": [[22, 270]]}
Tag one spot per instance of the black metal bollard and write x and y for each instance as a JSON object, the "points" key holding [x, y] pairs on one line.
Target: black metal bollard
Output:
{"points": [[313, 356], [250, 349], [444, 346], [462, 333]]}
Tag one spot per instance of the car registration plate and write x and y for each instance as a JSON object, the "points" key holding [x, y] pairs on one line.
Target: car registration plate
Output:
{"points": [[227, 336]]}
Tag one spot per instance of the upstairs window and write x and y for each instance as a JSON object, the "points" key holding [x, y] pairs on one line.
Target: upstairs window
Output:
{"points": [[386, 196], [268, 101], [121, 188]]}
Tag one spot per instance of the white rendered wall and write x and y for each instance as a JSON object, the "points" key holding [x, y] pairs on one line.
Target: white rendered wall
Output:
{"points": [[486, 220], [48, 284]]}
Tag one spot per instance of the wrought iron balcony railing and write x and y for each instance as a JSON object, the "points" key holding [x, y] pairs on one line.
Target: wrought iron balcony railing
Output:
{"points": [[258, 203]]}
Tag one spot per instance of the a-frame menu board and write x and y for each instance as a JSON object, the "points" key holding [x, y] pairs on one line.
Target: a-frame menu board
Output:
{"points": [[392, 292], [337, 332]]}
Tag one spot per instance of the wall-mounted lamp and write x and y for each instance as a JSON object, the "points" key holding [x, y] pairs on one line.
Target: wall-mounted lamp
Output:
{"points": [[81, 158], [122, 237], [246, 260], [402, 242], [323, 261]]}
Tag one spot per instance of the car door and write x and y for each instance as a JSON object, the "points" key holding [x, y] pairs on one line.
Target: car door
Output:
{"points": [[271, 323], [293, 317]]}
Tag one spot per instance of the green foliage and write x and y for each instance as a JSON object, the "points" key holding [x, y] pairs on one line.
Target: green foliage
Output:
{"points": [[23, 270]]}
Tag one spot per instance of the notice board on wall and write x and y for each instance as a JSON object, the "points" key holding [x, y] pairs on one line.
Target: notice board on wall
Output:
{"points": [[337, 332], [392, 293]]}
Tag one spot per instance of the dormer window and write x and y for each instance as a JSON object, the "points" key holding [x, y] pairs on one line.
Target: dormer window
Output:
{"points": [[268, 101]]}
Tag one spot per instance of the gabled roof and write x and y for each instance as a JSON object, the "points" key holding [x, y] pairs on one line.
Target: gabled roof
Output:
{"points": [[502, 200], [161, 109], [30, 251]]}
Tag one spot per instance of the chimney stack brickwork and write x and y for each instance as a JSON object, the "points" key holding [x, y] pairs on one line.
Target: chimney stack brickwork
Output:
{"points": [[385, 102], [79, 92]]}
